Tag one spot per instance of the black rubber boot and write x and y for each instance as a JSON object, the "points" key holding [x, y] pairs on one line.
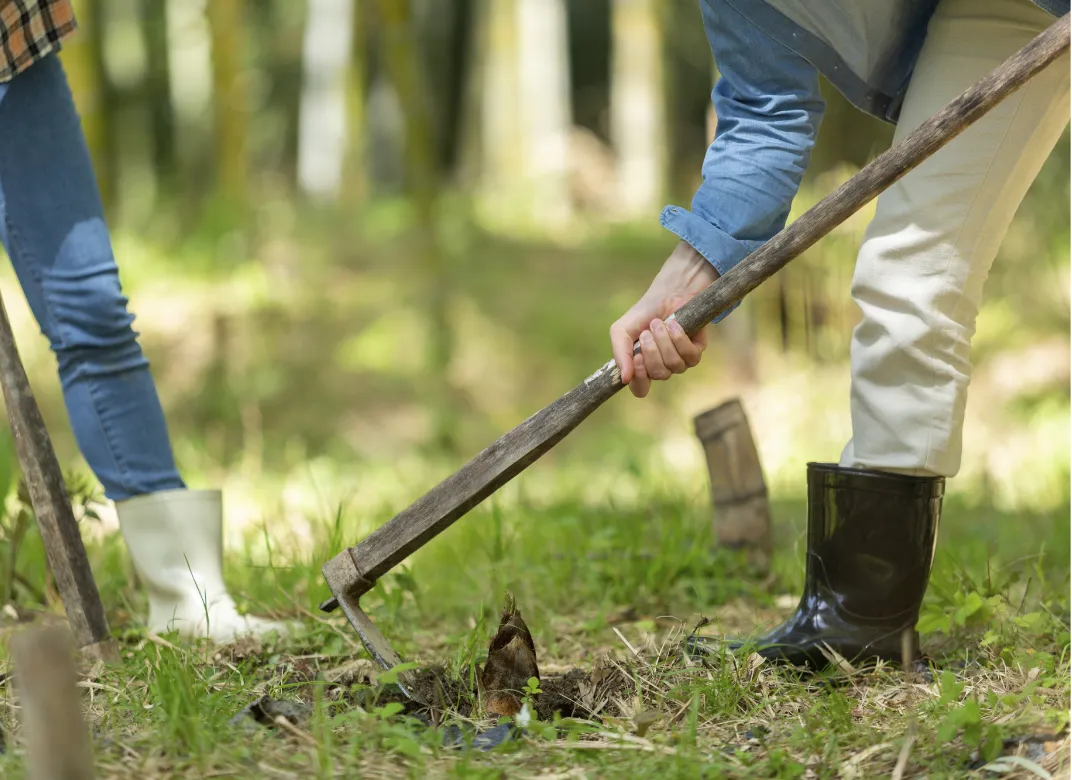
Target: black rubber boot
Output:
{"points": [[871, 539]]}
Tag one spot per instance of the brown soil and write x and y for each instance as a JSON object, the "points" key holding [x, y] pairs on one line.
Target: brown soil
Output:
{"points": [[568, 695], [562, 695]]}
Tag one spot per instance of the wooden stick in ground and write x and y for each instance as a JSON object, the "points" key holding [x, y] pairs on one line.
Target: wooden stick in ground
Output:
{"points": [[53, 730], [52, 506], [742, 516], [355, 570]]}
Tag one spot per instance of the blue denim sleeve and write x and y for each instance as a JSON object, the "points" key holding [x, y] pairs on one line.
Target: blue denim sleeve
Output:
{"points": [[769, 108]]}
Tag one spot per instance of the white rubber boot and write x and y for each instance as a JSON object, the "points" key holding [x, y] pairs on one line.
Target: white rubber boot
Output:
{"points": [[175, 538]]}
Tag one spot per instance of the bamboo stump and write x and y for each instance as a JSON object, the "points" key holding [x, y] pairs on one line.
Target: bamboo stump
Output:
{"points": [[53, 729], [742, 516]]}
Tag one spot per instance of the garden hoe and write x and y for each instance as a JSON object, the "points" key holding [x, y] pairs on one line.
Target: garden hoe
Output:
{"points": [[355, 570]]}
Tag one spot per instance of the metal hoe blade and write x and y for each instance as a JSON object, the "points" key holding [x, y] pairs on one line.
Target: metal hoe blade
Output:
{"points": [[377, 645]]}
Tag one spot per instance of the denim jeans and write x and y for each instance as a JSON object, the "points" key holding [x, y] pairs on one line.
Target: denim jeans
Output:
{"points": [[52, 227]]}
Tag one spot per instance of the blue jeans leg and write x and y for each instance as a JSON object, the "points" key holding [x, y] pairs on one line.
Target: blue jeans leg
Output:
{"points": [[52, 226]]}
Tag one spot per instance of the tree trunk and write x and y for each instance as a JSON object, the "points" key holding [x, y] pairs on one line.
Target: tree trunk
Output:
{"points": [[543, 89], [282, 28], [355, 179], [83, 60], [225, 19], [158, 90], [525, 112], [404, 67], [471, 144], [326, 61], [638, 110], [500, 128]]}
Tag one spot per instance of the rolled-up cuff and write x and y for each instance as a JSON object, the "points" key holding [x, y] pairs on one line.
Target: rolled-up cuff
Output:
{"points": [[721, 250]]}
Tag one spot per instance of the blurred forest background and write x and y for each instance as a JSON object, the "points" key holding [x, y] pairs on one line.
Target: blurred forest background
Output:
{"points": [[363, 238]]}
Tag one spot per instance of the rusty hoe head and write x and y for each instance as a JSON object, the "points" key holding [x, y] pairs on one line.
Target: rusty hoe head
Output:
{"points": [[347, 584]]}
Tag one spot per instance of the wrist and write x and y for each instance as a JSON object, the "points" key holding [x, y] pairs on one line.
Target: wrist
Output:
{"points": [[689, 265]]}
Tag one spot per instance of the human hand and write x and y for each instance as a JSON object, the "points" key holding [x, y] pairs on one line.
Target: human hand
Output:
{"points": [[665, 348]]}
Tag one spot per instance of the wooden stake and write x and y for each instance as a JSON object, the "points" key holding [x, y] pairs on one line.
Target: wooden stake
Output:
{"points": [[55, 734], [742, 516], [52, 506]]}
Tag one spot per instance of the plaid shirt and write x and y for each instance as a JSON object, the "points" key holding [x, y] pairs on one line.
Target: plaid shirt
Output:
{"points": [[29, 30]]}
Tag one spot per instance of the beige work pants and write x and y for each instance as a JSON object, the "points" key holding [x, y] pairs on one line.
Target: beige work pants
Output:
{"points": [[919, 275]]}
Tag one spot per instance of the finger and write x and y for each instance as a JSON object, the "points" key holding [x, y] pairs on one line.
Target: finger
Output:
{"points": [[689, 350], [621, 344], [653, 359], [700, 339], [641, 384], [667, 348]]}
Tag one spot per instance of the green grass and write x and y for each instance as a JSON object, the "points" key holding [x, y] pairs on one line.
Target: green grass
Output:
{"points": [[995, 622]]}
